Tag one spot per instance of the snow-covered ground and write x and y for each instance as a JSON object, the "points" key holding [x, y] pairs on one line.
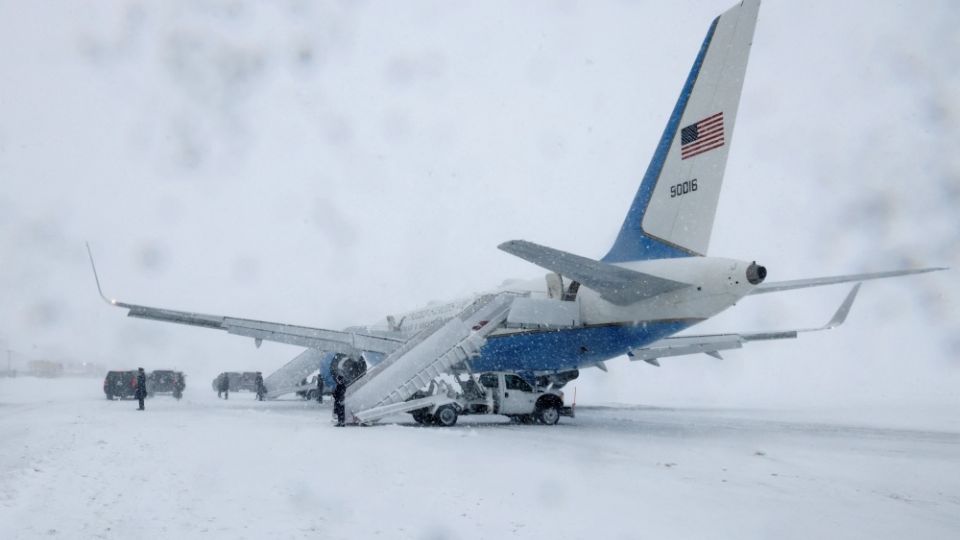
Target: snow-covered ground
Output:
{"points": [[73, 465], [328, 164]]}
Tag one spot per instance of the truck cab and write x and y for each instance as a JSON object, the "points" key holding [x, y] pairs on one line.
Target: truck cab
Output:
{"points": [[511, 394]]}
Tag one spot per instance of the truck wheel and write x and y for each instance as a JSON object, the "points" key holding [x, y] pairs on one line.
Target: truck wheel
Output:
{"points": [[446, 416], [421, 416], [549, 415], [311, 395]]}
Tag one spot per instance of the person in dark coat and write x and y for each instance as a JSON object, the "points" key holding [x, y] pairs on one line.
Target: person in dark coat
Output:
{"points": [[319, 388], [339, 391], [178, 385], [224, 386], [261, 389], [141, 391]]}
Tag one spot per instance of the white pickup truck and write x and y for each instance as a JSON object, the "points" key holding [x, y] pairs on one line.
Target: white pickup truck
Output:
{"points": [[490, 393]]}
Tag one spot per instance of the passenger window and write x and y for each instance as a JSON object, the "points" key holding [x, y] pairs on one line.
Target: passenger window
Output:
{"points": [[514, 382], [489, 380]]}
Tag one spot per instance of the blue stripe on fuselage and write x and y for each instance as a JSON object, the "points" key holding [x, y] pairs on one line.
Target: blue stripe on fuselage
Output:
{"points": [[569, 348], [632, 244]]}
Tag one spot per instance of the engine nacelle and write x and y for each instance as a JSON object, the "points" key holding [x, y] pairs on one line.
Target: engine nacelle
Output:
{"points": [[348, 367], [756, 273]]}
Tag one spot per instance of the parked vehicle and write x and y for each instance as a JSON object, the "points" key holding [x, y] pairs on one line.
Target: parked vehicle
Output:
{"points": [[246, 380], [166, 381], [120, 384], [307, 389], [490, 393]]}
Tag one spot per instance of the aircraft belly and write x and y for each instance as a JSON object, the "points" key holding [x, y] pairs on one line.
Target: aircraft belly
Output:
{"points": [[549, 350]]}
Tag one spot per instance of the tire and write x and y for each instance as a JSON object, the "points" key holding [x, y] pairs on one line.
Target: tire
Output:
{"points": [[549, 415], [446, 416], [311, 395], [421, 416]]}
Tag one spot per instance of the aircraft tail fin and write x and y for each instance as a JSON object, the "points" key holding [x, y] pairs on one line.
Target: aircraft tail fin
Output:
{"points": [[672, 213]]}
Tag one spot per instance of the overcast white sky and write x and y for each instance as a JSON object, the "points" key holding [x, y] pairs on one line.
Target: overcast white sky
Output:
{"points": [[330, 163]]}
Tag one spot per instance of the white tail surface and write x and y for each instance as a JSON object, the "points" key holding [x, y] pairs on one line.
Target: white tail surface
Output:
{"points": [[673, 212], [684, 201]]}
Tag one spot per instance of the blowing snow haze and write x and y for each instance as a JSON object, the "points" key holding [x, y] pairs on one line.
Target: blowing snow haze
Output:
{"points": [[328, 164]]}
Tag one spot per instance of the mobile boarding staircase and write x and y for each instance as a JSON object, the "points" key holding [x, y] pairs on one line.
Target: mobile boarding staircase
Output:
{"points": [[387, 387], [287, 379]]}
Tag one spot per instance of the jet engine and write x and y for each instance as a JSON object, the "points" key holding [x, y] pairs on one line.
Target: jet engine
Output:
{"points": [[756, 273]]}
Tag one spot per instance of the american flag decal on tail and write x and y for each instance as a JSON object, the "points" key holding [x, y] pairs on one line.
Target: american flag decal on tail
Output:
{"points": [[702, 136]]}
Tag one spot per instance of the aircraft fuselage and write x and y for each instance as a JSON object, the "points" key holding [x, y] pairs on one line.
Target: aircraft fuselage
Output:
{"points": [[599, 330]]}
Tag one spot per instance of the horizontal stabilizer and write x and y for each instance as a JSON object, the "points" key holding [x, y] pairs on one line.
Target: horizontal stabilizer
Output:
{"points": [[618, 285], [832, 280], [713, 343]]}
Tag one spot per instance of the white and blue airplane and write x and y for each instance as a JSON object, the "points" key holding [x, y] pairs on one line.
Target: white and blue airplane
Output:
{"points": [[655, 281]]}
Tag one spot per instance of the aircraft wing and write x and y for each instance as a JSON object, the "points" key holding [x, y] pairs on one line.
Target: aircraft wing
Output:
{"points": [[350, 342], [618, 285], [303, 336], [713, 343], [776, 286]]}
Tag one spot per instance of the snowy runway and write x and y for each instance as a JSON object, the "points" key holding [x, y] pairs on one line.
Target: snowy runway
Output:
{"points": [[73, 465]]}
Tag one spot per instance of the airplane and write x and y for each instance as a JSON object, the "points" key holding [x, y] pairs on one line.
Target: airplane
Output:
{"points": [[655, 281]]}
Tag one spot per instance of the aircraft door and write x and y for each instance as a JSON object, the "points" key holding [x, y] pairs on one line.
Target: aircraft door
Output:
{"points": [[517, 395]]}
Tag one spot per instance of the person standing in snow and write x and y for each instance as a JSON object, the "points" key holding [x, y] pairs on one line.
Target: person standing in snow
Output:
{"points": [[178, 385], [320, 388], [339, 391], [141, 392], [261, 389], [223, 386]]}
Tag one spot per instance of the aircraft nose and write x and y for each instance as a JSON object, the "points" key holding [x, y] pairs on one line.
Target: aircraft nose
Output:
{"points": [[756, 273]]}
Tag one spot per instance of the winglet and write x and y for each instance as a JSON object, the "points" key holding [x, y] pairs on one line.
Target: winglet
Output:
{"points": [[96, 278], [844, 309]]}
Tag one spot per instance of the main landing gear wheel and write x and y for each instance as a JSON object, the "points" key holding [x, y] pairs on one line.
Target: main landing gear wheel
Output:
{"points": [[446, 416]]}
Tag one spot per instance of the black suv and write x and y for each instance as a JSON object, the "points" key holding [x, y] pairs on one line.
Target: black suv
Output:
{"points": [[166, 381], [120, 384], [238, 381]]}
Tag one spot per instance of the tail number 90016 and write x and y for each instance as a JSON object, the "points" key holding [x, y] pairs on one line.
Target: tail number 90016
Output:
{"points": [[683, 188]]}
